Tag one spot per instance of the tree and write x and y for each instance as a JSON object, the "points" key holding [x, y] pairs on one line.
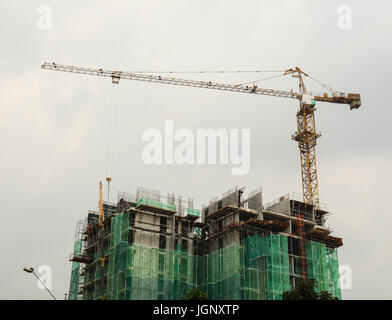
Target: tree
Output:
{"points": [[325, 295], [196, 294], [306, 290]]}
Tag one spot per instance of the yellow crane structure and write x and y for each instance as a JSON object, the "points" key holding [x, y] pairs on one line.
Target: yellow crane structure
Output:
{"points": [[306, 135], [101, 235]]}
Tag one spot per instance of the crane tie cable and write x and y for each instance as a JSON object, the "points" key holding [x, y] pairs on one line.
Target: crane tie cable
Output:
{"points": [[254, 81]]}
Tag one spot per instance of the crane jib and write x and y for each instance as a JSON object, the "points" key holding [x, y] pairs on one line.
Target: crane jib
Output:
{"points": [[354, 100]]}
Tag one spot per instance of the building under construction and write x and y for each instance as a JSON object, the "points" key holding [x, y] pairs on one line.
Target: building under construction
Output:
{"points": [[159, 247]]}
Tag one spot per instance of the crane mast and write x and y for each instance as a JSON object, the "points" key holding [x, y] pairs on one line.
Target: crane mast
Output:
{"points": [[306, 136]]}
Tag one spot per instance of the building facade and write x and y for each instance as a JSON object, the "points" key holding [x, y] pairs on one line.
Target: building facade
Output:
{"points": [[159, 248]]}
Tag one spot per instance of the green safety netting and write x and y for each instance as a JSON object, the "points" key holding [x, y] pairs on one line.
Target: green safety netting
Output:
{"points": [[138, 272], [197, 232], [257, 269], [192, 212], [94, 271], [221, 273], [117, 257], [268, 264], [333, 273], [74, 285], [324, 267], [157, 204]]}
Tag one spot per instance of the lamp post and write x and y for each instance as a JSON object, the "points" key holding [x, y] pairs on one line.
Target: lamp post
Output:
{"points": [[31, 270]]}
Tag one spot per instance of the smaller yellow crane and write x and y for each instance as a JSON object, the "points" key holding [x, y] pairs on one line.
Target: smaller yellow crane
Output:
{"points": [[101, 242]]}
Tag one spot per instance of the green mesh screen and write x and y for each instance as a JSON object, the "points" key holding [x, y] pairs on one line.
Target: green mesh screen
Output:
{"points": [[221, 273], [192, 212], [266, 267], [257, 269], [197, 232], [156, 204], [324, 267], [138, 272], [115, 288], [333, 273], [74, 285]]}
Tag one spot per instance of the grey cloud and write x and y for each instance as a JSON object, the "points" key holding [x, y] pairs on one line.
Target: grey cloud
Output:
{"points": [[53, 126]]}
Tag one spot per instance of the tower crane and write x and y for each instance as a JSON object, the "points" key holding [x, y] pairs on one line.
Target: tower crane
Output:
{"points": [[306, 135]]}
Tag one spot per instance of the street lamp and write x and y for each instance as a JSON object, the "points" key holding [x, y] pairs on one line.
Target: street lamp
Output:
{"points": [[28, 270], [31, 270]]}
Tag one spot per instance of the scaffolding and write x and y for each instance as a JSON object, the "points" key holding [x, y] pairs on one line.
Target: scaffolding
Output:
{"points": [[143, 273], [239, 251], [258, 269], [77, 274], [155, 198], [74, 286]]}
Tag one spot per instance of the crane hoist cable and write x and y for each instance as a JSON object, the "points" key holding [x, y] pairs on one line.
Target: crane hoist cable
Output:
{"points": [[259, 80], [111, 140], [114, 130], [109, 130]]}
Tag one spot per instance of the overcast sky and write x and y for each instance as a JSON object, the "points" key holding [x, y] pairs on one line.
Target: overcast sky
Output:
{"points": [[54, 126]]}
